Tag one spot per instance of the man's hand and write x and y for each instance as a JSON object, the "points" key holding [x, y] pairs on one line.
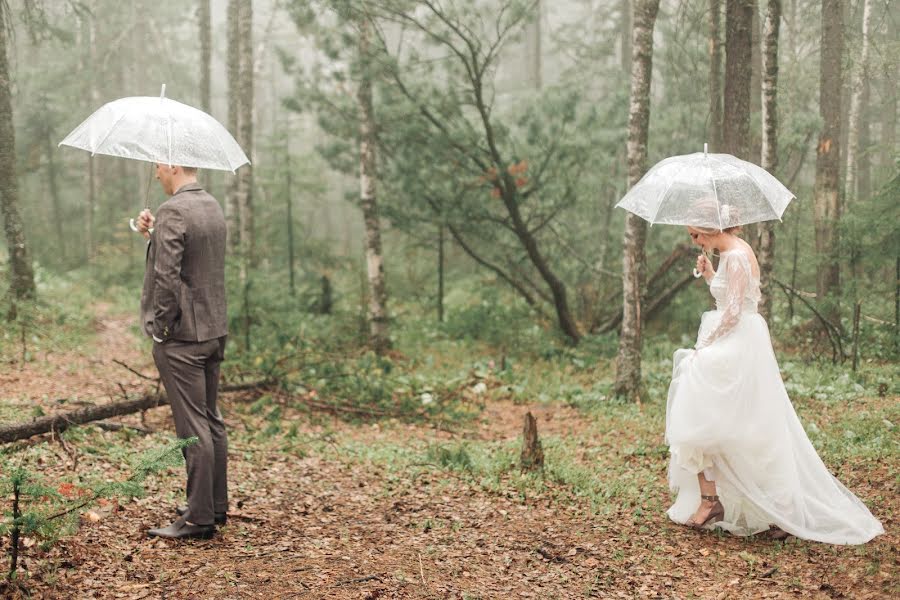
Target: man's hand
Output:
{"points": [[145, 222]]}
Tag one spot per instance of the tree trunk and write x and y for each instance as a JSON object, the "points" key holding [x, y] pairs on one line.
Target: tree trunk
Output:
{"points": [[714, 128], [204, 17], [533, 45], [289, 198], [766, 246], [378, 312], [827, 211], [21, 274], [50, 150], [625, 30], [246, 102], [440, 298], [628, 361], [738, 71], [860, 77], [756, 75], [232, 204], [888, 155], [532, 456]]}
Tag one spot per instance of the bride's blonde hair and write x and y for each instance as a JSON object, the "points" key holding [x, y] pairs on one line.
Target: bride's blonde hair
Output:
{"points": [[713, 231]]}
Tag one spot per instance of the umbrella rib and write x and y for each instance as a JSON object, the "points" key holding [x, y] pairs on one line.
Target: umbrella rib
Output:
{"points": [[108, 133], [663, 197], [222, 150], [718, 204], [765, 196]]}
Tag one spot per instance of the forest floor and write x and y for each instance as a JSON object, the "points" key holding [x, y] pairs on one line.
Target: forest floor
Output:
{"points": [[325, 508]]}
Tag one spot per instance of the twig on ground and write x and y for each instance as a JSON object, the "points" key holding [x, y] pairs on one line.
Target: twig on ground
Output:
{"points": [[422, 570], [138, 373], [107, 426], [357, 580]]}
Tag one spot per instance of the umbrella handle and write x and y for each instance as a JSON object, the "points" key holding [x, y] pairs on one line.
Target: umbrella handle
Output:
{"points": [[134, 227], [697, 274]]}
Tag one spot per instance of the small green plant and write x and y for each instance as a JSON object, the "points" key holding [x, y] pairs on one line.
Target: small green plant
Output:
{"points": [[46, 512]]}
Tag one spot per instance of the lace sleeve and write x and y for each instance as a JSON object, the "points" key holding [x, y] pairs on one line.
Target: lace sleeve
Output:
{"points": [[737, 273]]}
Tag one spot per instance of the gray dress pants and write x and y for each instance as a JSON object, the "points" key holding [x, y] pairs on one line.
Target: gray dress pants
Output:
{"points": [[190, 374]]}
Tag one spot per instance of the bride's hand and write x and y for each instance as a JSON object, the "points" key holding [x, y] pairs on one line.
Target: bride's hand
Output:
{"points": [[704, 267]]}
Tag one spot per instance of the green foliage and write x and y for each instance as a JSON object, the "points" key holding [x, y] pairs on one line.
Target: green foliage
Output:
{"points": [[47, 512]]}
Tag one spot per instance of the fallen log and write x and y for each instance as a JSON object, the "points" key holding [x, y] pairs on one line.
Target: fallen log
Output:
{"points": [[61, 422]]}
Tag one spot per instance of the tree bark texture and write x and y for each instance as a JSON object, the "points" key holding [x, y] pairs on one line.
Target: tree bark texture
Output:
{"points": [[628, 360], [625, 31], [61, 422], [204, 17], [378, 312], [714, 128], [532, 456], [246, 102], [766, 245], [533, 43], [857, 89], [232, 204], [827, 198], [21, 273], [738, 70]]}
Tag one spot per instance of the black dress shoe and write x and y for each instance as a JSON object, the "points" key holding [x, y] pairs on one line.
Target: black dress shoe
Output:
{"points": [[181, 530], [218, 518]]}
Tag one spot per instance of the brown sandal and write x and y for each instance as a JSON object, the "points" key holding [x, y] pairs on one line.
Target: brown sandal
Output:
{"points": [[716, 515]]}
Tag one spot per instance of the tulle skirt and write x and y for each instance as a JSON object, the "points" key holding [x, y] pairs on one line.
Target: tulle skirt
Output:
{"points": [[729, 416]]}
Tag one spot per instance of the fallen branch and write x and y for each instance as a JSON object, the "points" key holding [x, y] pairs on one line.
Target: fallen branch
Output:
{"points": [[61, 422], [831, 330]]}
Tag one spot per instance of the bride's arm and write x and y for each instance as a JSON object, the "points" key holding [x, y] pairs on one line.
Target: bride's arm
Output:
{"points": [[738, 277]]}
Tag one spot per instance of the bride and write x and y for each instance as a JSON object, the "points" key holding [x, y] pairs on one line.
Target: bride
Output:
{"points": [[740, 459]]}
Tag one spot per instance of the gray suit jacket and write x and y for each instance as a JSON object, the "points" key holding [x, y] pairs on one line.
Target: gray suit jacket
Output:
{"points": [[184, 281]]}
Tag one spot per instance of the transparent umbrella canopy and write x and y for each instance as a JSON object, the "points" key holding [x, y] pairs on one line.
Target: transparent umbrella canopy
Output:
{"points": [[707, 190], [158, 130]]}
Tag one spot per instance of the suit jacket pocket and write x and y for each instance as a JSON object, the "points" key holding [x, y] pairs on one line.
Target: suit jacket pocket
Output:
{"points": [[185, 328], [208, 313]]}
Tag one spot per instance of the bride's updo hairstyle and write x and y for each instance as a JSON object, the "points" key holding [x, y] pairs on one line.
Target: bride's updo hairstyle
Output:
{"points": [[713, 231], [709, 207]]}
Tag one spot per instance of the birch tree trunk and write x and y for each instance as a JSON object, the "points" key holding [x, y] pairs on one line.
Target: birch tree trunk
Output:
{"points": [[533, 45], [860, 77], [21, 273], [204, 17], [714, 128], [628, 360], [738, 71], [766, 245], [827, 199], [378, 314], [232, 205]]}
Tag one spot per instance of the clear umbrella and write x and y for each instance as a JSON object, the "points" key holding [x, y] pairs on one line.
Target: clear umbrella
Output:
{"points": [[707, 190], [158, 130]]}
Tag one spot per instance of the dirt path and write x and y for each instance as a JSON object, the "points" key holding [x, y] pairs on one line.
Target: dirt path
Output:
{"points": [[63, 381], [311, 521]]}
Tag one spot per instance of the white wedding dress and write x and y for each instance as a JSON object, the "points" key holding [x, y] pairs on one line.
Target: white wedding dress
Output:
{"points": [[728, 415]]}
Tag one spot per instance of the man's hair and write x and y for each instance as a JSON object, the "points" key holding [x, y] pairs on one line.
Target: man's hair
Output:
{"points": [[190, 170]]}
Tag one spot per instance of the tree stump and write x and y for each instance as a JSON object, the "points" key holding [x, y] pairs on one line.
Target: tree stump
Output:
{"points": [[532, 458]]}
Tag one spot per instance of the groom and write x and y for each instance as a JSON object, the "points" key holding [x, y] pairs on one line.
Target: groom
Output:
{"points": [[183, 310]]}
